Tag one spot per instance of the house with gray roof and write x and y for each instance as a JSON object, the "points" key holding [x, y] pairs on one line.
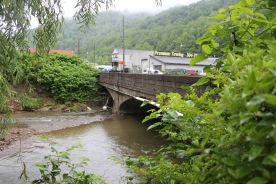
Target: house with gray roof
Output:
{"points": [[136, 61], [167, 63]]}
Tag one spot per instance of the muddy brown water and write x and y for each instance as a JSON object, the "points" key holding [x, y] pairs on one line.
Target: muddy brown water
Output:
{"points": [[104, 138]]}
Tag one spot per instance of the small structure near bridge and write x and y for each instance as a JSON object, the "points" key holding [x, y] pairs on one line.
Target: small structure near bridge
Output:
{"points": [[138, 61], [125, 88]]}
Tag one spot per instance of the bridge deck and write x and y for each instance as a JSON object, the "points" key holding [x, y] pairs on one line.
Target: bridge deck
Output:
{"points": [[151, 85]]}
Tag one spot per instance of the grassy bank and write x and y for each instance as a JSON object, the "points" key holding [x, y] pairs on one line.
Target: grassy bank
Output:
{"points": [[54, 82], [32, 81]]}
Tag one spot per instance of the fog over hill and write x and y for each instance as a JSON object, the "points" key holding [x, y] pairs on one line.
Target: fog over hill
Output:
{"points": [[176, 29]]}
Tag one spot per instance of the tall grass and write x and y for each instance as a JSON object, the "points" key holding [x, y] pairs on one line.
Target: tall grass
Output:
{"points": [[29, 104], [5, 124], [4, 93]]}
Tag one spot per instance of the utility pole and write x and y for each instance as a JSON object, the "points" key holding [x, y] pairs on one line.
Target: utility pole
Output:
{"points": [[79, 46], [94, 53], [123, 43]]}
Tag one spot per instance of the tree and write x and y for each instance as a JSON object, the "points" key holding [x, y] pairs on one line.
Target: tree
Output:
{"points": [[16, 20], [228, 133], [15, 25]]}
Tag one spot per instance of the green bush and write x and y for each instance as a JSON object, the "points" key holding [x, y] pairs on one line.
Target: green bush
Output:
{"points": [[58, 168], [65, 77], [230, 139], [4, 94], [5, 124], [68, 78], [29, 103]]}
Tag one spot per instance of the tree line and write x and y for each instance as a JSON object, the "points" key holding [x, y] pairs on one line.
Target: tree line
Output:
{"points": [[176, 29]]}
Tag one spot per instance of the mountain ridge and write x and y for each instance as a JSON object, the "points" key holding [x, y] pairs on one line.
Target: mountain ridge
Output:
{"points": [[175, 29]]}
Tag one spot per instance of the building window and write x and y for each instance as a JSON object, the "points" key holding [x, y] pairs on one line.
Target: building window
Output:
{"points": [[134, 68], [157, 67]]}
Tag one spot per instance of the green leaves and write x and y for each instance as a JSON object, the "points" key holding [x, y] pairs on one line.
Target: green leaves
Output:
{"points": [[219, 16], [154, 125], [239, 172], [29, 103], [257, 180], [202, 81], [198, 58], [255, 151], [57, 167], [68, 78], [250, 2], [235, 122], [207, 49], [256, 100], [270, 159], [270, 99], [87, 10]]}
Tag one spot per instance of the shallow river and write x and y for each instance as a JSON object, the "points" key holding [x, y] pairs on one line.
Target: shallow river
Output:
{"points": [[101, 140]]}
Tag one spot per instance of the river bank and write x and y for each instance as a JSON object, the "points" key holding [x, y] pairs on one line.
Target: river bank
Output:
{"points": [[23, 128]]}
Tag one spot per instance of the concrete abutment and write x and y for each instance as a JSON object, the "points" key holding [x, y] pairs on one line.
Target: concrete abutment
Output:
{"points": [[118, 99]]}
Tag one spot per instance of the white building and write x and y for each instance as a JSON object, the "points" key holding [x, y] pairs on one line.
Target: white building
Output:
{"points": [[137, 61], [167, 63], [133, 59]]}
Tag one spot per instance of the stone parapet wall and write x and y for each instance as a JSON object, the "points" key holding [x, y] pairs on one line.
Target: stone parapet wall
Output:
{"points": [[151, 85]]}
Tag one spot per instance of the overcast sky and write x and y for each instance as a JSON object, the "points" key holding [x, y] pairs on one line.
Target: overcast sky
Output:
{"points": [[128, 6], [131, 5]]}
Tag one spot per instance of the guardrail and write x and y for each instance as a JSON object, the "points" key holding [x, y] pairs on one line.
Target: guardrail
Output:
{"points": [[149, 84]]}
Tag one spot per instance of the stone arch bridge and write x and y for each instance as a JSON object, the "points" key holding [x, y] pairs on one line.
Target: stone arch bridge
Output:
{"points": [[127, 90]]}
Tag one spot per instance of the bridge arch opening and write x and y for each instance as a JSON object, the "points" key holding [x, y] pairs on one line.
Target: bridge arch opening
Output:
{"points": [[133, 106]]}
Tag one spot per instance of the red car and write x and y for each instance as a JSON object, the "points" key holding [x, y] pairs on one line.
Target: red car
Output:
{"points": [[192, 72]]}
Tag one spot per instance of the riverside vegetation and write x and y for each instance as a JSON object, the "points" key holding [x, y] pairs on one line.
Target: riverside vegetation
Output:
{"points": [[58, 168], [228, 134], [66, 78], [41, 70], [54, 82]]}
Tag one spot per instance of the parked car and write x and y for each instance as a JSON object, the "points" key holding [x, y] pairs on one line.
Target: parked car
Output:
{"points": [[192, 72], [152, 71], [177, 71], [104, 68]]}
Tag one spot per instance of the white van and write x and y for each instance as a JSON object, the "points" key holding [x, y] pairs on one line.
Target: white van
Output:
{"points": [[152, 71]]}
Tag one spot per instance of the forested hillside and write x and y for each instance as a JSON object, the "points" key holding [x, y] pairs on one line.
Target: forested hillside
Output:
{"points": [[172, 30]]}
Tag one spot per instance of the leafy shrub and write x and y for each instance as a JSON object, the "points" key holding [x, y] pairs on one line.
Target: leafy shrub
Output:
{"points": [[65, 77], [25, 68], [52, 170], [29, 103], [68, 78], [57, 167], [5, 94], [161, 170], [5, 124], [230, 139]]}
